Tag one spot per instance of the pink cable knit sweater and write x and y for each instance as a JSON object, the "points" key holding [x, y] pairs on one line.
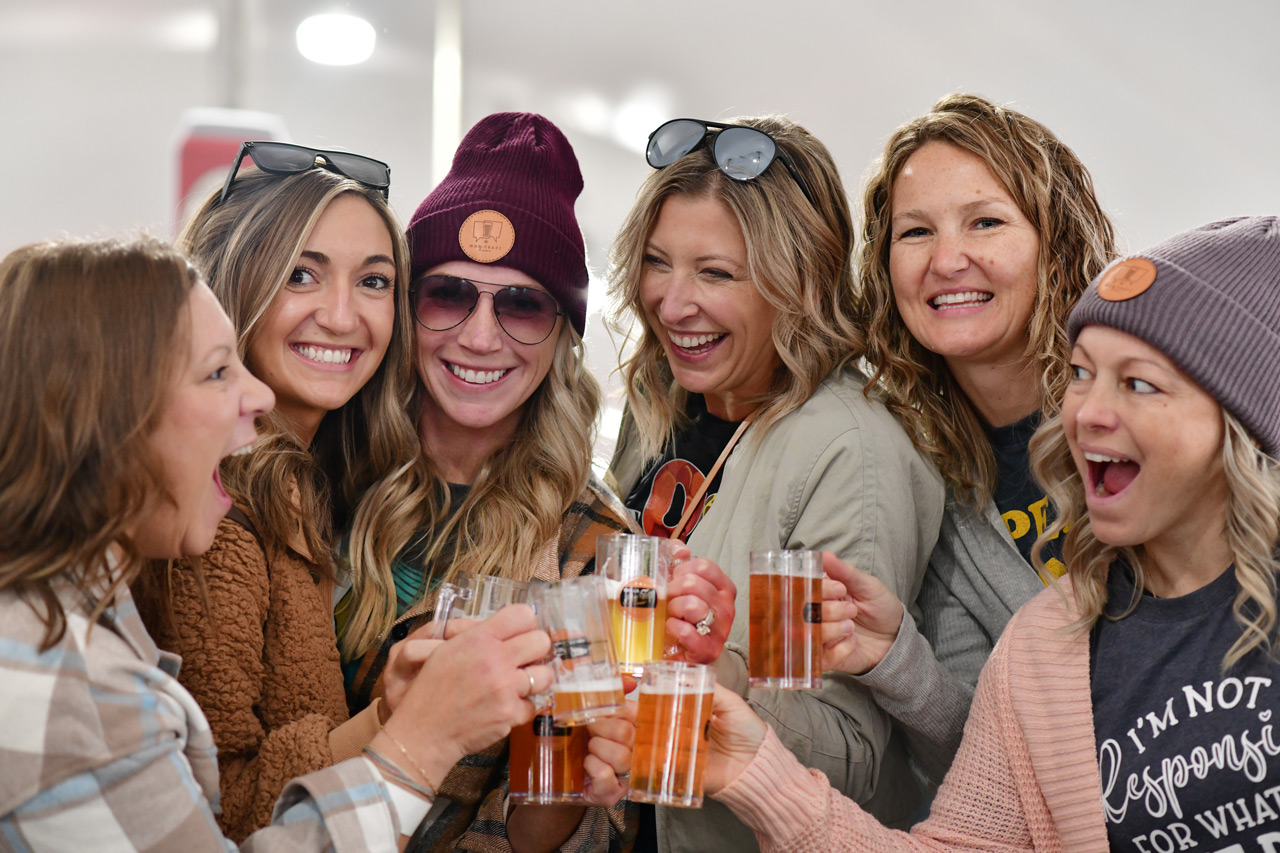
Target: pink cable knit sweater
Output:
{"points": [[1025, 778]]}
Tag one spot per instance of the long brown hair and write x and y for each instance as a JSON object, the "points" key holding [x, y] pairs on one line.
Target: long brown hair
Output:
{"points": [[1054, 191], [248, 245], [799, 257], [88, 337]]}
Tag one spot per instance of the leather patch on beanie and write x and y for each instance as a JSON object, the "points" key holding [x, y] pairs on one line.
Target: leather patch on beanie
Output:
{"points": [[486, 236], [1127, 279]]}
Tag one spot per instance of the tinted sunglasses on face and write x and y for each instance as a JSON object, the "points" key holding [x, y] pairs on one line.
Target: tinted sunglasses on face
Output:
{"points": [[742, 153], [526, 314], [283, 158]]}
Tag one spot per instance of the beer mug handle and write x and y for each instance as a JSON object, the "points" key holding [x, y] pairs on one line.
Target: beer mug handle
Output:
{"points": [[445, 599]]}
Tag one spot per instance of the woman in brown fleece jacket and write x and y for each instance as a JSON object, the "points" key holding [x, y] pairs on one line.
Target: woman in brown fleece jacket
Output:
{"points": [[312, 268]]}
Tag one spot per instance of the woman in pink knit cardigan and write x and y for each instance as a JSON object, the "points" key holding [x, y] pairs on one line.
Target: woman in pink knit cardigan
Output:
{"points": [[1130, 706]]}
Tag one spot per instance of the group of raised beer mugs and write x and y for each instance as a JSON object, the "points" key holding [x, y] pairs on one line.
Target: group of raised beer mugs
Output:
{"points": [[614, 621]]}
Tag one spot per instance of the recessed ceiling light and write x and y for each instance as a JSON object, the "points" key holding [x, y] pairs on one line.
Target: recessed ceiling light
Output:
{"points": [[336, 39]]}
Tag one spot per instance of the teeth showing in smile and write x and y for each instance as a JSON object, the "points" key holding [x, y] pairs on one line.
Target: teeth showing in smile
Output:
{"points": [[244, 451], [1098, 457], [692, 341], [325, 356], [968, 297], [478, 377]]}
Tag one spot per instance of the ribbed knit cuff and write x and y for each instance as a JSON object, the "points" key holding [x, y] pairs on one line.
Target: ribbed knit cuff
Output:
{"points": [[776, 795], [893, 675]]}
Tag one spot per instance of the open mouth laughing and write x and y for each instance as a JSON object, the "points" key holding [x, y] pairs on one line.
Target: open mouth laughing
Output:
{"points": [[695, 344], [1109, 475]]}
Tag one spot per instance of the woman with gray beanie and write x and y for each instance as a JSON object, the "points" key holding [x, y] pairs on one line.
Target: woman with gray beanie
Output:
{"points": [[1130, 706]]}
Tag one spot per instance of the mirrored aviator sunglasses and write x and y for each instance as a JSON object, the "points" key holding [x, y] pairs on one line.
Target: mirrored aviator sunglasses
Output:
{"points": [[527, 315], [284, 158], [742, 153]]}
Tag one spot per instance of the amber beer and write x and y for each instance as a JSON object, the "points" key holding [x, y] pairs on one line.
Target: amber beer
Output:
{"points": [[636, 570], [786, 619], [670, 753], [546, 762]]}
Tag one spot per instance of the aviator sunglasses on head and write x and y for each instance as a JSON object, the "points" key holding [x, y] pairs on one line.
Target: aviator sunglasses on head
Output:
{"points": [[283, 158], [526, 314], [742, 153]]}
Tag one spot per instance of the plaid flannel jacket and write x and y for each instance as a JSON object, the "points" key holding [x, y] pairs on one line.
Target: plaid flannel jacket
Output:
{"points": [[102, 749]]}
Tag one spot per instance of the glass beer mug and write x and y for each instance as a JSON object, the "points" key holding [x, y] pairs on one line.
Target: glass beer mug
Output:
{"points": [[670, 753], [588, 684], [786, 619], [636, 570]]}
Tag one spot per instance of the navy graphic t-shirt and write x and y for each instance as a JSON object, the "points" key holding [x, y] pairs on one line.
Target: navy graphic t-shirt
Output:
{"points": [[1022, 504], [1189, 756]]}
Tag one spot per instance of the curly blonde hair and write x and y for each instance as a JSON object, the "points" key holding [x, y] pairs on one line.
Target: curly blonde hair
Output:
{"points": [[799, 257], [1252, 531], [1054, 191]]}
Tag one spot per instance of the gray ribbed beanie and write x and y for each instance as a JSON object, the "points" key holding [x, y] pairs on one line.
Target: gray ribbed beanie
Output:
{"points": [[1209, 299]]}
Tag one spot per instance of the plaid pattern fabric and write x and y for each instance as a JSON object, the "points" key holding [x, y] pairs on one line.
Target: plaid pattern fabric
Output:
{"points": [[476, 787], [102, 749]]}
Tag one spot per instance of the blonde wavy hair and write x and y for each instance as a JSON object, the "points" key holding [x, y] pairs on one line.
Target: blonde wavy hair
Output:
{"points": [[248, 246], [1054, 191], [799, 257], [1252, 532], [89, 342], [512, 509]]}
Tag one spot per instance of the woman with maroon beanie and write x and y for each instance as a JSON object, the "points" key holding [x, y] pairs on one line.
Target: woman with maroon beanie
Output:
{"points": [[506, 415]]}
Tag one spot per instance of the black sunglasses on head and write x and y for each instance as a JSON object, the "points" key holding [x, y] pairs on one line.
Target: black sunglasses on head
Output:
{"points": [[741, 152], [283, 158], [526, 314]]}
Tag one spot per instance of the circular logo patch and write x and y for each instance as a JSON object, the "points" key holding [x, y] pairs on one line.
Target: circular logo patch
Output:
{"points": [[1127, 279], [486, 236]]}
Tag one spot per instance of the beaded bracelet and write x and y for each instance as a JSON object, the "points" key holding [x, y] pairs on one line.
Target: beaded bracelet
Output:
{"points": [[398, 775]]}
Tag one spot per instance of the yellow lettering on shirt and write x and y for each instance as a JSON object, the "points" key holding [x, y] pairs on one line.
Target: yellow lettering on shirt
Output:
{"points": [[1055, 567], [1017, 522], [1038, 510]]}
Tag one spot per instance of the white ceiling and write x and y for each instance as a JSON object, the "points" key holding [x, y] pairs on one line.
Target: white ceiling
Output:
{"points": [[1175, 105]]}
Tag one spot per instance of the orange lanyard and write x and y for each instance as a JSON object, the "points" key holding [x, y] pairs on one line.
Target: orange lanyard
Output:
{"points": [[711, 475]]}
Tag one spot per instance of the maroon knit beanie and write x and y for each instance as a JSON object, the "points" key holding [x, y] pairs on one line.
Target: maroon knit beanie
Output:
{"points": [[508, 200], [1209, 299]]}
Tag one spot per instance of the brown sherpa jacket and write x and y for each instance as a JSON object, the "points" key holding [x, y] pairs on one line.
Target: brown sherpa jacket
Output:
{"points": [[263, 664]]}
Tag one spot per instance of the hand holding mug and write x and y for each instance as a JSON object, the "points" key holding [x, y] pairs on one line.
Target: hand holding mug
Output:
{"points": [[700, 608], [608, 762], [865, 617], [470, 690], [733, 739]]}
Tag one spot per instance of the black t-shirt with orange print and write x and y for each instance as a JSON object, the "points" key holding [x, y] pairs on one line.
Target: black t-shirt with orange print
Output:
{"points": [[1022, 503], [659, 498]]}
